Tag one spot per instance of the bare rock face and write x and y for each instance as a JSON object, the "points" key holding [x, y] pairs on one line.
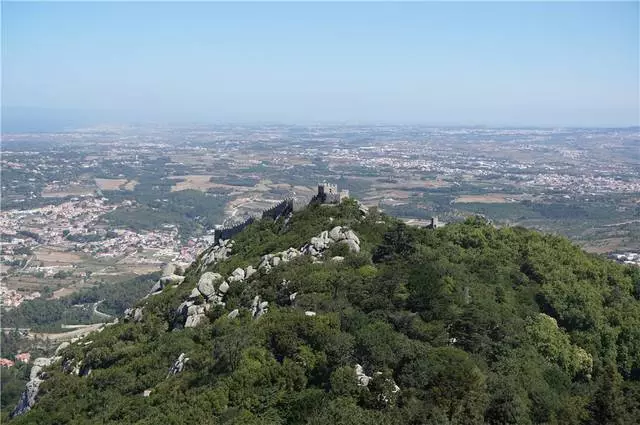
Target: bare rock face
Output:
{"points": [[28, 397], [233, 314]]}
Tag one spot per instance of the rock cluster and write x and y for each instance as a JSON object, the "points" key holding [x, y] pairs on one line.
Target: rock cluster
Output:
{"points": [[213, 286], [258, 308], [172, 274], [338, 234], [178, 365], [134, 314], [273, 260], [218, 252], [363, 380]]}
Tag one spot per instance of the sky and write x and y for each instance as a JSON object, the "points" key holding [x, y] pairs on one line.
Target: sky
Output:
{"points": [[437, 63]]}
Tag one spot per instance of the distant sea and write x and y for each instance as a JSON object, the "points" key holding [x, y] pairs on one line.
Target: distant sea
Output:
{"points": [[43, 120]]}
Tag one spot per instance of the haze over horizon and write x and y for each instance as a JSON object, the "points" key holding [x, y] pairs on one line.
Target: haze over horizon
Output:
{"points": [[492, 64]]}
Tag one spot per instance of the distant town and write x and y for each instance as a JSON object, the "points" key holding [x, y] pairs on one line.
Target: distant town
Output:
{"points": [[103, 204]]}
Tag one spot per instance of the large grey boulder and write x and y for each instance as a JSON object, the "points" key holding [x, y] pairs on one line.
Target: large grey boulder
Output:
{"points": [[206, 283], [352, 236], [275, 261], [249, 271], [239, 273], [336, 233], [224, 287], [233, 314], [172, 279]]}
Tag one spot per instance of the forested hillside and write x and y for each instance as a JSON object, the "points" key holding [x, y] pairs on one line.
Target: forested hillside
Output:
{"points": [[466, 324]]}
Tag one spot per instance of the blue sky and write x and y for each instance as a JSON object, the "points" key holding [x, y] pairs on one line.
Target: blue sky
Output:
{"points": [[508, 63]]}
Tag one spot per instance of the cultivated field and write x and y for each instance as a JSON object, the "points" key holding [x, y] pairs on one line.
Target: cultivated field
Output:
{"points": [[115, 184], [202, 183], [489, 198], [52, 257]]}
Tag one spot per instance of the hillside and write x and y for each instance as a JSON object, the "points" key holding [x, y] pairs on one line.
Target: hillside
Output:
{"points": [[371, 322]]}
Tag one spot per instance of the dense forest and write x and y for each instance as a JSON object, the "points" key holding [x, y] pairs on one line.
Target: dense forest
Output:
{"points": [[46, 315], [465, 324]]}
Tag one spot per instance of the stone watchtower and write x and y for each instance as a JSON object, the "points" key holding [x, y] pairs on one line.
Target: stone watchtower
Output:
{"points": [[328, 193]]}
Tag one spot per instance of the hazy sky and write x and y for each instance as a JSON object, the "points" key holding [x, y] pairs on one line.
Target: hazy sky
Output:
{"points": [[507, 63]]}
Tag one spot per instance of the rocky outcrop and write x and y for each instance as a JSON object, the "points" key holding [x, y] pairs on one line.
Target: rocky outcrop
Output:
{"points": [[178, 365], [196, 314], [134, 314], [258, 308], [388, 388], [218, 252], [319, 243], [37, 376], [206, 284], [213, 287], [172, 274], [362, 378]]}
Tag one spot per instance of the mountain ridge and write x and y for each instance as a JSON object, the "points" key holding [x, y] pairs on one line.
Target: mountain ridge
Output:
{"points": [[460, 325]]}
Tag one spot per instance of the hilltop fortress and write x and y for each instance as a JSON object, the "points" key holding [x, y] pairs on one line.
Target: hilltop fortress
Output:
{"points": [[327, 194]]}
